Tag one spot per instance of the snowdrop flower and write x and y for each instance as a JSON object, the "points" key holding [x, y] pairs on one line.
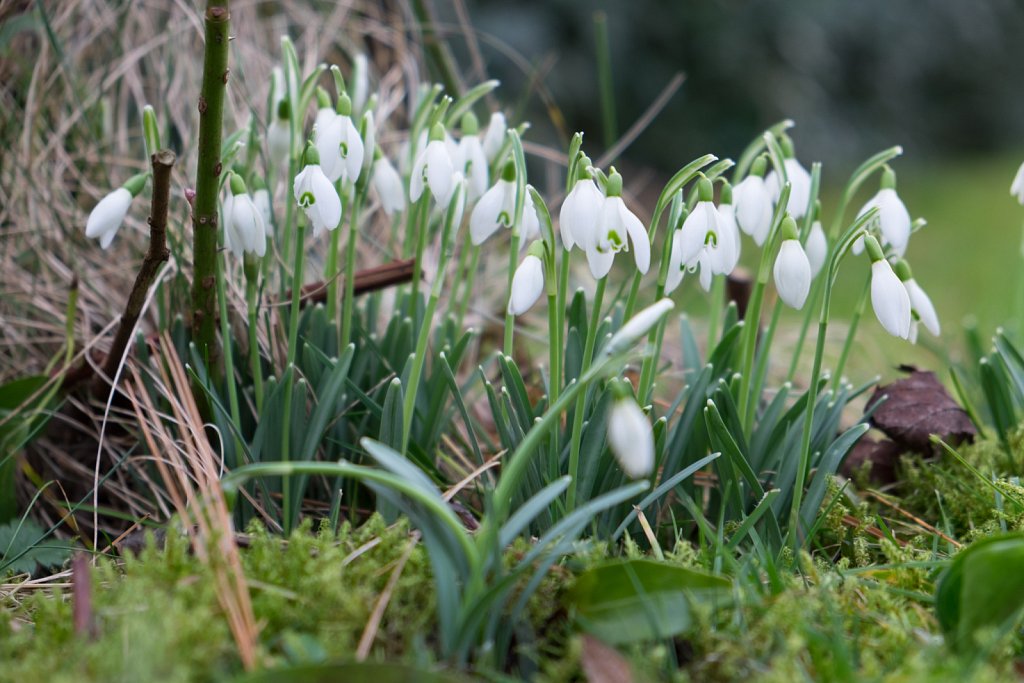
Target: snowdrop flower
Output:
{"points": [[338, 142], [816, 248], [638, 326], [261, 198], [279, 132], [316, 194], [360, 81], [388, 185], [893, 217], [470, 159], [1017, 186], [497, 207], [577, 219], [244, 230], [368, 132], [792, 268], [528, 281], [799, 182], [921, 308], [107, 216], [630, 435], [889, 297], [728, 234], [701, 226], [433, 169], [617, 228], [494, 138], [753, 202]]}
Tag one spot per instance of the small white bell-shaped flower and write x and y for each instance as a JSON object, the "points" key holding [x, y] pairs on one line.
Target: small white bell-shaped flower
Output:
{"points": [[360, 81], [244, 229], [528, 281], [316, 195], [617, 229], [792, 268], [471, 160], [338, 142], [1017, 186], [753, 201], [494, 138], [893, 218], [701, 226], [388, 185], [889, 297], [261, 198], [728, 255], [577, 219], [630, 435], [799, 181], [279, 131], [816, 248], [433, 169], [921, 308], [107, 216], [496, 209]]}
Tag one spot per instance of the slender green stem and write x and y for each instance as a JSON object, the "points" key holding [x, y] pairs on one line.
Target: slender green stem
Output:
{"points": [[331, 274], [251, 300], [717, 303], [460, 275], [467, 291], [420, 355], [812, 301], [763, 355], [421, 226], [841, 248], [229, 361], [581, 399], [208, 170], [349, 304], [293, 342], [851, 333]]}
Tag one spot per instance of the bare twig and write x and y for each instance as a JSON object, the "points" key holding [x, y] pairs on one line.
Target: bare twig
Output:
{"points": [[81, 597], [163, 163]]}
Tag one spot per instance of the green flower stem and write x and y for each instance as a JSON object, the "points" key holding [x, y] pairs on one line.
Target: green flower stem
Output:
{"points": [[420, 219], [609, 126], [763, 353], [460, 275], [858, 312], [519, 159], [581, 398], [419, 357], [229, 363], [331, 269], [717, 304], [467, 290], [803, 467], [349, 304], [251, 301], [208, 171], [752, 319], [293, 342]]}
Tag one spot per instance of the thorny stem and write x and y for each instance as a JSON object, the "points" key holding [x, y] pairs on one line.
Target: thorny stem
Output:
{"points": [[208, 171]]}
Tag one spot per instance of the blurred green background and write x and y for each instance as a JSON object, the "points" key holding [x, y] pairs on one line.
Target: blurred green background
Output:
{"points": [[943, 78]]}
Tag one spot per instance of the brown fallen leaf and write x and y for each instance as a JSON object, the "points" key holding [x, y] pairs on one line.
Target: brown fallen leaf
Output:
{"points": [[917, 407], [883, 457], [603, 664]]}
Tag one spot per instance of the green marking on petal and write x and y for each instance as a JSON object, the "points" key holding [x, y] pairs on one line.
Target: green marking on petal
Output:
{"points": [[306, 199], [615, 239], [344, 150], [505, 219]]}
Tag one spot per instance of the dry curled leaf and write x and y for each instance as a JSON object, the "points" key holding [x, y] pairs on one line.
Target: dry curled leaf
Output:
{"points": [[881, 458], [917, 407]]}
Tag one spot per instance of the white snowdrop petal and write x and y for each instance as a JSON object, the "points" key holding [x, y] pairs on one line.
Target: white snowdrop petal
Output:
{"points": [[440, 172], [641, 244], [631, 439], [107, 216], [1017, 186], [792, 274], [817, 248], [492, 211], [922, 305], [890, 300], [527, 285]]}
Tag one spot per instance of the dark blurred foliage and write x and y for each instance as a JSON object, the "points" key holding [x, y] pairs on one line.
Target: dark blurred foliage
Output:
{"points": [[945, 78]]}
